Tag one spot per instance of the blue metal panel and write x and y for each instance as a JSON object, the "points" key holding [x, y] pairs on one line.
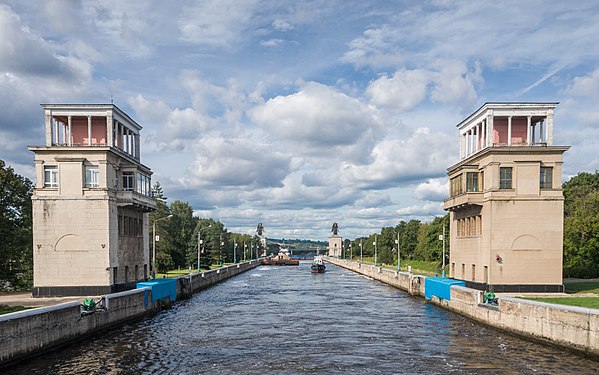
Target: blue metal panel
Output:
{"points": [[161, 288], [440, 287]]}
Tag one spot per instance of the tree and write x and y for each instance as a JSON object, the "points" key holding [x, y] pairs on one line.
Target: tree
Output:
{"points": [[409, 238], [164, 261], [16, 245], [180, 234], [581, 226]]}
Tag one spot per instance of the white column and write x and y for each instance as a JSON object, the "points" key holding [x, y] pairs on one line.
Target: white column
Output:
{"points": [[56, 135], [48, 128], [89, 130], [109, 129], [509, 130], [137, 145], [70, 130], [528, 132], [549, 136], [541, 131], [491, 130]]}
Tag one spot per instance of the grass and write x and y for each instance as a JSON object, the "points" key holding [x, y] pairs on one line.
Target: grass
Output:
{"points": [[588, 302], [4, 309], [418, 266], [575, 288]]}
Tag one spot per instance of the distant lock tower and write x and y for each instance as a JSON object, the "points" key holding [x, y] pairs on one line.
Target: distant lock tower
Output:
{"points": [[335, 242]]}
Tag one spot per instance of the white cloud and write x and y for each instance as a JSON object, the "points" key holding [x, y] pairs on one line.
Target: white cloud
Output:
{"points": [[321, 121], [403, 91], [434, 189], [585, 85], [397, 162], [280, 25]]}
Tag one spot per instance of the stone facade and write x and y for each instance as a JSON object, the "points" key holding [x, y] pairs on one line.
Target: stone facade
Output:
{"points": [[90, 203], [335, 246], [506, 202]]}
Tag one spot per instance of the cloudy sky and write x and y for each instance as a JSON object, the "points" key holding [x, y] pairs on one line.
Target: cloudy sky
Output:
{"points": [[298, 114]]}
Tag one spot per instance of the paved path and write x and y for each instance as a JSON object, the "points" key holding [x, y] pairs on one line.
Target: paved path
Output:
{"points": [[567, 281], [25, 299]]}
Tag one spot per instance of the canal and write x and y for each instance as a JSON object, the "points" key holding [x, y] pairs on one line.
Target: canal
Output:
{"points": [[286, 320]]}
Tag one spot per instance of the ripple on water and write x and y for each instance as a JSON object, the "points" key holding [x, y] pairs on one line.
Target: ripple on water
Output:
{"points": [[286, 320]]}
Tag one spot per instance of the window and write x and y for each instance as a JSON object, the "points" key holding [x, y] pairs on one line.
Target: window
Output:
{"points": [[455, 186], [51, 176], [143, 184], [505, 177], [128, 181], [546, 177], [92, 176], [471, 181]]}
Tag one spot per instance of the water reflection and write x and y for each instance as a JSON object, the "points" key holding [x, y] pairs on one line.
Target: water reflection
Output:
{"points": [[288, 321]]}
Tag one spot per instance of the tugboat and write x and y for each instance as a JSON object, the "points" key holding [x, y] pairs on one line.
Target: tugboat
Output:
{"points": [[318, 265], [282, 259]]}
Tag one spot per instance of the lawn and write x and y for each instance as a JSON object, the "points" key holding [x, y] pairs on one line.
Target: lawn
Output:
{"points": [[185, 271], [4, 309], [588, 302], [575, 288], [418, 266]]}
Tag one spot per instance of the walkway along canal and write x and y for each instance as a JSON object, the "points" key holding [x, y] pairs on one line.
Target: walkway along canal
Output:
{"points": [[287, 320]]}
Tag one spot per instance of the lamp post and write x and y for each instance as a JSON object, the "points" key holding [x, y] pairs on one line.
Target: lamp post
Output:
{"points": [[200, 242], [234, 252], [441, 238], [220, 247], [398, 257], [244, 250], [351, 255], [374, 243], [154, 244], [361, 240]]}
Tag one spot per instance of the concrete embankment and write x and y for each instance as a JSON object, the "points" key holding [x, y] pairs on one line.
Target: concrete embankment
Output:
{"points": [[31, 332], [570, 327]]}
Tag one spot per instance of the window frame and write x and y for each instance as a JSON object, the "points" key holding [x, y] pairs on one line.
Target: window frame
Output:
{"points": [[472, 182], [91, 171], [128, 179], [544, 182], [503, 179], [52, 172]]}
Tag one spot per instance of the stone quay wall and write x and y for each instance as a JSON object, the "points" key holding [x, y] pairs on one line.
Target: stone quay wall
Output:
{"points": [[570, 327], [31, 332]]}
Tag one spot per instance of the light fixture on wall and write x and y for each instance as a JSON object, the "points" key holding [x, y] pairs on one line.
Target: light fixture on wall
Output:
{"points": [[39, 246], [103, 245]]}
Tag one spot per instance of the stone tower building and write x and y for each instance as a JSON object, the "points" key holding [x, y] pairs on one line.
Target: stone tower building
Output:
{"points": [[506, 204], [90, 203]]}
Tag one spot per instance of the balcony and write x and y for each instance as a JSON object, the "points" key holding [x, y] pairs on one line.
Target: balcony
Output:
{"points": [[462, 200], [140, 201]]}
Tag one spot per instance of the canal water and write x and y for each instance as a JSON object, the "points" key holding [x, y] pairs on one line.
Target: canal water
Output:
{"points": [[285, 320]]}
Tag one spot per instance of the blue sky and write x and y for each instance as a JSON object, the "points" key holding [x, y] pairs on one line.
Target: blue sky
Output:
{"points": [[298, 114]]}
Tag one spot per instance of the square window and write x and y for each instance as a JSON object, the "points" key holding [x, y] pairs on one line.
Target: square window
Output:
{"points": [[546, 180], [505, 177], [92, 176], [472, 181], [51, 176], [128, 181]]}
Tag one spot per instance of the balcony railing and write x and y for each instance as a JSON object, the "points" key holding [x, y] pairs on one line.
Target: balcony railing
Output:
{"points": [[470, 198], [132, 198]]}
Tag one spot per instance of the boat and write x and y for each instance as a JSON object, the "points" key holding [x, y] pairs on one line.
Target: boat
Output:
{"points": [[281, 259], [318, 265]]}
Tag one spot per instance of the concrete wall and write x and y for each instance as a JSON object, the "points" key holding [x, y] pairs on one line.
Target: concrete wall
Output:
{"points": [[413, 284], [570, 327], [30, 332]]}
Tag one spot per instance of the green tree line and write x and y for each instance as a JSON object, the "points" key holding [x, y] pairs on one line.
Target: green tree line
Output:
{"points": [[179, 234], [417, 240]]}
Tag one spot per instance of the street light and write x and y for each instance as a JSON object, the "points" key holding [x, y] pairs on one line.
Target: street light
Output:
{"points": [[351, 254], [200, 242], [374, 243], [398, 258], [361, 239], [154, 244], [234, 252], [244, 250], [220, 246], [441, 238]]}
